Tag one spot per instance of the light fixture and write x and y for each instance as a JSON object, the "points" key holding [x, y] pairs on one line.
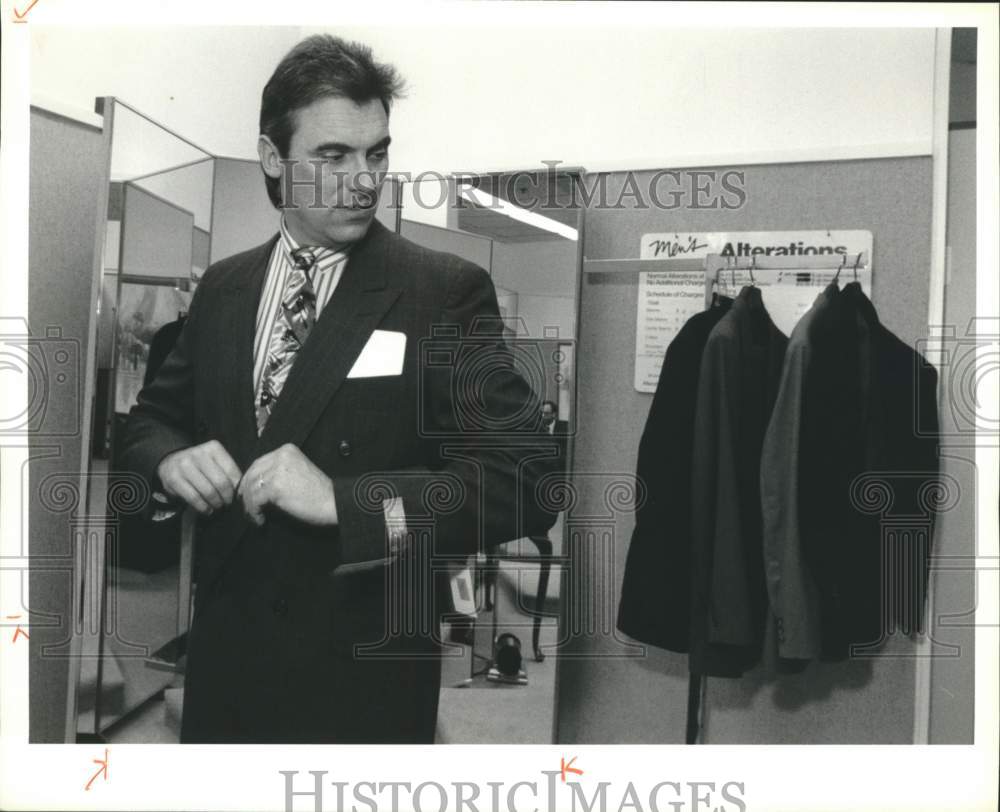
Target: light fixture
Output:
{"points": [[530, 218]]}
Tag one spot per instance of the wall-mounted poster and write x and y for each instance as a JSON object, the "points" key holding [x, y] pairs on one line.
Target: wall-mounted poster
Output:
{"points": [[668, 299]]}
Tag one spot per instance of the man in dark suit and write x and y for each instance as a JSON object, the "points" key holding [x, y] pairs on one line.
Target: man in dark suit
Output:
{"points": [[342, 411], [550, 421]]}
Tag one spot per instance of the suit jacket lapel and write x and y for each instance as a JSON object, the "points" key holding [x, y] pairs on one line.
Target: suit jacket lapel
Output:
{"points": [[237, 318], [231, 357], [356, 307]]}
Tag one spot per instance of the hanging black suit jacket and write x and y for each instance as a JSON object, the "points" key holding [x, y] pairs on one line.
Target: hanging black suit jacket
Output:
{"points": [[655, 602], [868, 467], [285, 613], [739, 380]]}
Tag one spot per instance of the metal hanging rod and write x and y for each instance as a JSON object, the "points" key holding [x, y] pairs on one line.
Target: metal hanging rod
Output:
{"points": [[713, 262], [811, 262], [676, 265]]}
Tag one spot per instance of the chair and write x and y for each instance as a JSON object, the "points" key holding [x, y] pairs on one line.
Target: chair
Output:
{"points": [[544, 559]]}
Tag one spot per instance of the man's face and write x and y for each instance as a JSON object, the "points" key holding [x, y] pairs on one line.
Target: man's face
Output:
{"points": [[548, 414], [341, 150]]}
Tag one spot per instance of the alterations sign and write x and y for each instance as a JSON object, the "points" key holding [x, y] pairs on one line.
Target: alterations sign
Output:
{"points": [[668, 300]]}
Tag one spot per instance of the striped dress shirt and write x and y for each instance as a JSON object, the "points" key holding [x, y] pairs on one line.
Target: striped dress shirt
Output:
{"points": [[325, 275]]}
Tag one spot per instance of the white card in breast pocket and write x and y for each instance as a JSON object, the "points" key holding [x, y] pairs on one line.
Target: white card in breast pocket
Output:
{"points": [[381, 356]]}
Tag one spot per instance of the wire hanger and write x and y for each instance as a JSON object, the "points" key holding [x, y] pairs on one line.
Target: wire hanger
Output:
{"points": [[753, 264], [721, 280], [843, 262], [856, 266]]}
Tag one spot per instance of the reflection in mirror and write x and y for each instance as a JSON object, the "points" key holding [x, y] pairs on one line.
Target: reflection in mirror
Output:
{"points": [[156, 247], [522, 228]]}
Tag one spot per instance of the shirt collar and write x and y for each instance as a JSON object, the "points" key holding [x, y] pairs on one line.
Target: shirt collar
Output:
{"points": [[325, 257]]}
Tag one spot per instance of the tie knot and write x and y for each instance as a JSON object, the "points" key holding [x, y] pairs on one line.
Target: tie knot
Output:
{"points": [[304, 258]]}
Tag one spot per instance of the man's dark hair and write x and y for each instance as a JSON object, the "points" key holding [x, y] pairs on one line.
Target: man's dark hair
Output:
{"points": [[318, 67]]}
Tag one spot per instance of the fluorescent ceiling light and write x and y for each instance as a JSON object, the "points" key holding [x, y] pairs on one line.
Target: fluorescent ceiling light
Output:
{"points": [[516, 212]]}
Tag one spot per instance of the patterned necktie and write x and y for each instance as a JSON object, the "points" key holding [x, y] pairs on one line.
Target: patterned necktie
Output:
{"points": [[289, 333]]}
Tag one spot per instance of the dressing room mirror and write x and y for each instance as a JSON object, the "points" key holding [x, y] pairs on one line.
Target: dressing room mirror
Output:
{"points": [[498, 685], [174, 209], [156, 247]]}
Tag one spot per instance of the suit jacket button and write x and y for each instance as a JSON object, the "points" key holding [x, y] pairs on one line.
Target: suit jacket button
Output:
{"points": [[344, 448], [280, 606]]}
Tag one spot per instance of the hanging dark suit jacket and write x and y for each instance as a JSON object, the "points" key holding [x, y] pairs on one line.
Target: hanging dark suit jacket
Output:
{"points": [[281, 610], [792, 590], [866, 476], [655, 603], [740, 373]]}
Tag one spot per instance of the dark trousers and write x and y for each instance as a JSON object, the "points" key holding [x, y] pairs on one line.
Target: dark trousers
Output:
{"points": [[250, 681]]}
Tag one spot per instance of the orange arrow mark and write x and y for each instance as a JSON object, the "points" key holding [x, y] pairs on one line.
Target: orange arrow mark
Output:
{"points": [[18, 631], [104, 769], [20, 15], [567, 767]]}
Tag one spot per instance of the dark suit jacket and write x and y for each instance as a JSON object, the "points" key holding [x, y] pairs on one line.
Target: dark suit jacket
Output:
{"points": [[655, 603], [861, 444], [739, 379], [849, 478], [281, 609], [794, 596], [160, 347]]}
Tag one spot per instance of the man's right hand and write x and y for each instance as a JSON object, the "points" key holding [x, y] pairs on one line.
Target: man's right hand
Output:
{"points": [[202, 476]]}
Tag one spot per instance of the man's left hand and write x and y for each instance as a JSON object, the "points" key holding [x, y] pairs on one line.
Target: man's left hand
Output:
{"points": [[288, 481]]}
